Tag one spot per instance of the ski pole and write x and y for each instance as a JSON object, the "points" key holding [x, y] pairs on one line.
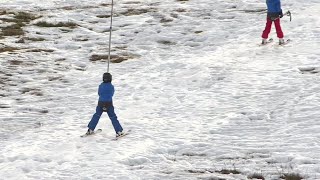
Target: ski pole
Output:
{"points": [[288, 13]]}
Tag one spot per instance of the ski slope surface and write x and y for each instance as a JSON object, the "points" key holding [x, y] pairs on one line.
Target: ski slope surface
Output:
{"points": [[202, 99]]}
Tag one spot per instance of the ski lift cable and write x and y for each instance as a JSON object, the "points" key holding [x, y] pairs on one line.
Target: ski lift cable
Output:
{"points": [[111, 18]]}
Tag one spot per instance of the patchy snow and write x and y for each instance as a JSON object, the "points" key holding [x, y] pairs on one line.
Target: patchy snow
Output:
{"points": [[198, 92]]}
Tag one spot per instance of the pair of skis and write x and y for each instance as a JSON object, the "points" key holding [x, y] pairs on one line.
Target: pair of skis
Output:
{"points": [[100, 130], [271, 40]]}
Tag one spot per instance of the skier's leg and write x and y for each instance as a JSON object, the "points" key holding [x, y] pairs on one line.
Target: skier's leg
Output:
{"points": [[267, 29], [114, 119], [278, 28], [95, 118]]}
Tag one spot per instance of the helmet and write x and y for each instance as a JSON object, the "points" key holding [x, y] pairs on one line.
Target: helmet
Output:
{"points": [[107, 77]]}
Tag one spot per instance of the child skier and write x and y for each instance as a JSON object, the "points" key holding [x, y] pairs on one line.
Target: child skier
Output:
{"points": [[106, 91], [274, 14]]}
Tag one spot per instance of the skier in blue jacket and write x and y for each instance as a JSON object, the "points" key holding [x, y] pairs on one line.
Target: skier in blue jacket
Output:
{"points": [[105, 104], [274, 15]]}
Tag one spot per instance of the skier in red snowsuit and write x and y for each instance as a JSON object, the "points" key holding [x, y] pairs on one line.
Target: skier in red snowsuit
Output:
{"points": [[274, 15]]}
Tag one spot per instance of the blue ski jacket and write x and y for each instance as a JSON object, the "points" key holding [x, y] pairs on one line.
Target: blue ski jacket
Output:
{"points": [[274, 8], [106, 91]]}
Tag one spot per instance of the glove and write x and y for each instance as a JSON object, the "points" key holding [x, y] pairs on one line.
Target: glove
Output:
{"points": [[281, 14]]}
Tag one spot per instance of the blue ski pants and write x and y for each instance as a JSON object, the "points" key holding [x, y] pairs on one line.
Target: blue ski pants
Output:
{"points": [[112, 115]]}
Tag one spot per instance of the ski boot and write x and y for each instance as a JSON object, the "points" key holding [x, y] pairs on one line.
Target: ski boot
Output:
{"points": [[89, 132], [119, 134], [281, 41], [264, 41]]}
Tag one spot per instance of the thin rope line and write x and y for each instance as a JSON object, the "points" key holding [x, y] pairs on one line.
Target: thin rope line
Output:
{"points": [[110, 35]]}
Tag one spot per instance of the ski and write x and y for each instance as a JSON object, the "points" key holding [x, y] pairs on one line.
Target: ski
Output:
{"points": [[124, 134], [285, 43], [268, 41], [94, 132]]}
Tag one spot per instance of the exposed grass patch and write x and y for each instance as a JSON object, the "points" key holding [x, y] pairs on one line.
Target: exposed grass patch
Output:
{"points": [[3, 12], [197, 171], [3, 106], [35, 39], [113, 58], [174, 15], [60, 60], [165, 20], [132, 12], [291, 176], [309, 70], [37, 93], [59, 24], [15, 62], [166, 42], [65, 30], [132, 2], [198, 32], [105, 4], [182, 0], [54, 78], [12, 30], [121, 47], [4, 78], [256, 176], [19, 20], [44, 111], [12, 20], [228, 171], [21, 40], [97, 57], [193, 154], [69, 8], [103, 16], [25, 17], [20, 17], [181, 10], [8, 49], [81, 39], [32, 91], [40, 50], [26, 90]]}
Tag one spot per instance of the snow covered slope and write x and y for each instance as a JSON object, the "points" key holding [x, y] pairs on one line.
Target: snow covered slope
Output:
{"points": [[202, 98]]}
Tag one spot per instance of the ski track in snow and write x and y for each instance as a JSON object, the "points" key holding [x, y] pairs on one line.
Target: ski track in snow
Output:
{"points": [[199, 95]]}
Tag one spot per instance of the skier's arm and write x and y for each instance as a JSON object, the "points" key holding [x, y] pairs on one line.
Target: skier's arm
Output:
{"points": [[99, 90], [112, 91], [278, 7]]}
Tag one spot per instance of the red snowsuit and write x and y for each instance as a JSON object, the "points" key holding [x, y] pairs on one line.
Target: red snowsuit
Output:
{"points": [[268, 28]]}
